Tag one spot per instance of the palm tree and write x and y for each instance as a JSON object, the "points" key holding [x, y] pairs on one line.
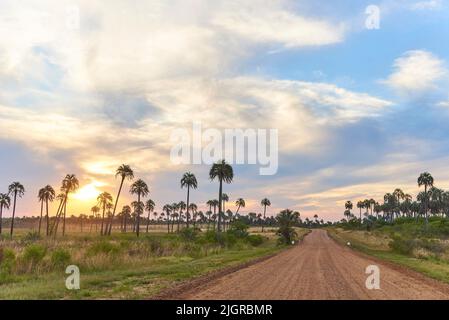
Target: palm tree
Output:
{"points": [[16, 189], [349, 205], [425, 179], [149, 206], [5, 202], [126, 211], [95, 210], [104, 200], [69, 184], [168, 209], [141, 189], [265, 202], [223, 172], [125, 172], [48, 194], [188, 180], [181, 206], [240, 203], [193, 208], [360, 205]]}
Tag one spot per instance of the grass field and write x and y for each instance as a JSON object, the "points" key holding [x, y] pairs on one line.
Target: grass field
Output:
{"points": [[406, 244], [121, 266]]}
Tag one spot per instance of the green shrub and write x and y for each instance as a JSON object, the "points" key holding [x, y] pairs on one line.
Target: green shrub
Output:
{"points": [[103, 247], [31, 236], [239, 229], [34, 253], [407, 246], [7, 260], [189, 234], [60, 257], [255, 240]]}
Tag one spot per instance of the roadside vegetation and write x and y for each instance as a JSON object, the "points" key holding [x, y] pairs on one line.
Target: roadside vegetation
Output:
{"points": [[414, 233]]}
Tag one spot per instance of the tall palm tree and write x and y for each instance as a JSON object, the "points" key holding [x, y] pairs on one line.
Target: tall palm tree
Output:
{"points": [[104, 200], [181, 207], [46, 194], [5, 202], [16, 189], [95, 210], [223, 172], [125, 172], [188, 180], [265, 202], [349, 205], [240, 203], [139, 188], [425, 179], [69, 184], [149, 206], [168, 209], [126, 211], [360, 205], [49, 195]]}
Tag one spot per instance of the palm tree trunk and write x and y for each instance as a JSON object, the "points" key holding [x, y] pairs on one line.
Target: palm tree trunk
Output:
{"points": [[13, 214], [264, 211], [168, 223], [125, 223], [47, 218], [102, 219], [148, 221], [220, 199], [65, 213], [1, 218], [138, 216], [40, 219], [115, 205], [187, 214]]}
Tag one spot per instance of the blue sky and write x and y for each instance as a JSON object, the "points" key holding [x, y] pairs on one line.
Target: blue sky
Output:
{"points": [[86, 87]]}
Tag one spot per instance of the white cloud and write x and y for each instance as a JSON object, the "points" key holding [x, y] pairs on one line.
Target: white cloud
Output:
{"points": [[416, 71], [270, 23], [426, 5]]}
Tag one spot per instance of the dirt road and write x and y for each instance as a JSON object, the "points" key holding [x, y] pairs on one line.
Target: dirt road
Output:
{"points": [[319, 268]]}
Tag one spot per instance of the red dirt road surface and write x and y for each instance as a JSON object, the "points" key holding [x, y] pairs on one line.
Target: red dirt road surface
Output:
{"points": [[318, 268]]}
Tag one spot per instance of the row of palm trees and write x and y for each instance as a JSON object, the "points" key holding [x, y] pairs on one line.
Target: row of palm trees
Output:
{"points": [[221, 171], [399, 204]]}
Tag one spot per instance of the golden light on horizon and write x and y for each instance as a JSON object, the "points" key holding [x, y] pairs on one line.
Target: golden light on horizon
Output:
{"points": [[89, 192]]}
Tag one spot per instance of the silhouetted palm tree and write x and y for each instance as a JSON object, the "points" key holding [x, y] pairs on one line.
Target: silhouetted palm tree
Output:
{"points": [[5, 202], [223, 172], [193, 208], [46, 194], [104, 200], [168, 209], [17, 190], [425, 179], [181, 207], [240, 203], [125, 172], [141, 189], [265, 202], [69, 184], [360, 205], [126, 211], [188, 180], [149, 206]]}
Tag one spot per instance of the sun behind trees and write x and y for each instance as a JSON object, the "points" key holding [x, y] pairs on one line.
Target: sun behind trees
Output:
{"points": [[104, 217]]}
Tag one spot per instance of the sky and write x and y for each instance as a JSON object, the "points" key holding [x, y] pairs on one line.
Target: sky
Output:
{"points": [[361, 108]]}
